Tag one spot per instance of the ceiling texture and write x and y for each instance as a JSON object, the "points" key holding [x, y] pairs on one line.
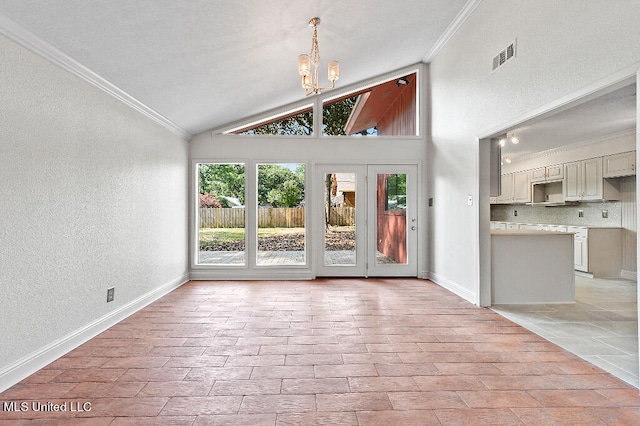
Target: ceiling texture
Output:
{"points": [[202, 64], [612, 112]]}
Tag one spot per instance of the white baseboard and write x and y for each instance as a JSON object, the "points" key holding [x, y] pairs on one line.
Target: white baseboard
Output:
{"points": [[630, 275], [454, 288], [36, 360], [423, 275]]}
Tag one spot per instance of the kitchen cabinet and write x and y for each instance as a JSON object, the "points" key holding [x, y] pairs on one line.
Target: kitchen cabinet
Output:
{"points": [[547, 193], [597, 251], [533, 227], [515, 188], [580, 248], [530, 266], [619, 165], [547, 173], [583, 181]]}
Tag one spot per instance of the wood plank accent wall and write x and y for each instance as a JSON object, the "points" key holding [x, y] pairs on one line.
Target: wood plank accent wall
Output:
{"points": [[629, 216], [400, 118]]}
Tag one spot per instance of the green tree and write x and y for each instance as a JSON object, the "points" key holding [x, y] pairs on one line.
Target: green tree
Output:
{"points": [[289, 195], [336, 115], [334, 118], [222, 180], [299, 124], [280, 186]]}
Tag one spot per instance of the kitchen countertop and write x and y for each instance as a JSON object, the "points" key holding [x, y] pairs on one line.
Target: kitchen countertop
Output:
{"points": [[526, 232], [556, 224]]}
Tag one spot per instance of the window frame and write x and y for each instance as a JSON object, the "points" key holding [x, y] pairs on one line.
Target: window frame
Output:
{"points": [[317, 105]]}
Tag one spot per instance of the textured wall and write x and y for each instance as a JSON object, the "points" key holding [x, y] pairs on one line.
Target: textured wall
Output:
{"points": [[92, 195], [561, 48]]}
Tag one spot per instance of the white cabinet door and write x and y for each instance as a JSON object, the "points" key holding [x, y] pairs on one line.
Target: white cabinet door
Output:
{"points": [[573, 181], [539, 175], [522, 187], [583, 180], [592, 179], [555, 172], [619, 165], [580, 247], [506, 189], [581, 254]]}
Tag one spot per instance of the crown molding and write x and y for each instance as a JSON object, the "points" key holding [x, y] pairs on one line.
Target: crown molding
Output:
{"points": [[574, 146], [29, 40], [451, 29]]}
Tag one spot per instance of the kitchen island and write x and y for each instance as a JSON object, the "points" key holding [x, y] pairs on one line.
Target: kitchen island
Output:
{"points": [[530, 266]]}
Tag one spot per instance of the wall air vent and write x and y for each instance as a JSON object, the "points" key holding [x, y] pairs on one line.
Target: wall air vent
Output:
{"points": [[505, 55]]}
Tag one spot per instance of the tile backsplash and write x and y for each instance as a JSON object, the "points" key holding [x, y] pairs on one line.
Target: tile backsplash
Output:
{"points": [[561, 215]]}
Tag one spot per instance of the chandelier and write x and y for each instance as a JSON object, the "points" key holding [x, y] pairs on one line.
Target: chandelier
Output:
{"points": [[309, 78]]}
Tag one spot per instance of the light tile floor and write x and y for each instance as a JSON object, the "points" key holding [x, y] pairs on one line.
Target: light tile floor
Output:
{"points": [[601, 327], [329, 351]]}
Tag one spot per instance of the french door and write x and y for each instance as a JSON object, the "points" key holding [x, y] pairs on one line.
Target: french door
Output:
{"points": [[368, 220]]}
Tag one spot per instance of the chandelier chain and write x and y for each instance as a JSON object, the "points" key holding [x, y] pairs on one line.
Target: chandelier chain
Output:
{"points": [[315, 49]]}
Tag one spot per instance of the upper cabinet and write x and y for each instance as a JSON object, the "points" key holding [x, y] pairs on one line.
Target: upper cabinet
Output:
{"points": [[584, 182], [515, 188], [541, 174], [619, 165]]}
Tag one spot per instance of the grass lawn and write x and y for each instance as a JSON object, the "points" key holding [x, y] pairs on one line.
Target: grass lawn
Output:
{"points": [[225, 235]]}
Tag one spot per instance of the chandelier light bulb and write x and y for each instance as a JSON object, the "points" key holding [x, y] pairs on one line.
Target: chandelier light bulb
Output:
{"points": [[334, 70], [304, 64]]}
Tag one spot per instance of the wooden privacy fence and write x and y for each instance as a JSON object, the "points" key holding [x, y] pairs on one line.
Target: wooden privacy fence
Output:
{"points": [[342, 216], [270, 217]]}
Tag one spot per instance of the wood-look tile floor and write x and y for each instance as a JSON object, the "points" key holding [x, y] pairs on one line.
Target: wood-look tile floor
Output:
{"points": [[329, 351]]}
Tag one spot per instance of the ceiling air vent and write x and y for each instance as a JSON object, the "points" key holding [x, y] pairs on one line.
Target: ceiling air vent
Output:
{"points": [[505, 55]]}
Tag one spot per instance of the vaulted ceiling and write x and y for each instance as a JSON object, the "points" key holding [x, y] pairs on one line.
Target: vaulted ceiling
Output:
{"points": [[202, 64]]}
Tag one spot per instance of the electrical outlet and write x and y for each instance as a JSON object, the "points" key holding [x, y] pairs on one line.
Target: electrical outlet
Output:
{"points": [[515, 212], [110, 294], [469, 200], [605, 214], [580, 213]]}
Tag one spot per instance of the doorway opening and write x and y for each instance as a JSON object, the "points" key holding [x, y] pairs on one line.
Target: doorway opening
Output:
{"points": [[598, 128]]}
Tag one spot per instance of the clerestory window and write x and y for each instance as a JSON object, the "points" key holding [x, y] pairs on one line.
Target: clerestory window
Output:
{"points": [[385, 109]]}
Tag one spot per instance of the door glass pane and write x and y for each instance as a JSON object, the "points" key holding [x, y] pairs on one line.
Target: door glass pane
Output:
{"points": [[221, 214], [281, 214], [391, 218], [340, 219]]}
